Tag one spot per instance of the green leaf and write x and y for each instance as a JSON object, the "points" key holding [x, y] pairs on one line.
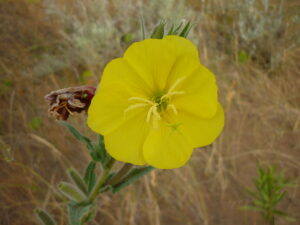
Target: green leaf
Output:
{"points": [[90, 176], [177, 29], [170, 32], [278, 198], [264, 194], [284, 215], [71, 192], [133, 175], [186, 30], [252, 208], [44, 217], [80, 214], [78, 135], [100, 154], [78, 180], [159, 31]]}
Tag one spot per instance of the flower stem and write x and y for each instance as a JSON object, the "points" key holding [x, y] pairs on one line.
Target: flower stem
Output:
{"points": [[122, 172], [102, 180]]}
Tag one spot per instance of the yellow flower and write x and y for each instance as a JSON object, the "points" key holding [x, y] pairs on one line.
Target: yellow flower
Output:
{"points": [[156, 104]]}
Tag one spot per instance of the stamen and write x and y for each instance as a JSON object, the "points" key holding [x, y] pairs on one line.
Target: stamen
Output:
{"points": [[157, 104], [140, 99], [169, 94], [135, 106], [178, 81], [173, 108], [156, 114], [153, 110], [149, 114]]}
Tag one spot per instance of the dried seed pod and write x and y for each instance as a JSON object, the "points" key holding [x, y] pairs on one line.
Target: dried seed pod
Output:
{"points": [[66, 101]]}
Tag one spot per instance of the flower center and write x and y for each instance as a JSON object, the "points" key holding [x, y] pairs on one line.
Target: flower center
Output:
{"points": [[157, 104]]}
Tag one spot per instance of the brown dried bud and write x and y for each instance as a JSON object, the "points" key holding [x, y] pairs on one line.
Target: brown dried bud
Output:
{"points": [[66, 101]]}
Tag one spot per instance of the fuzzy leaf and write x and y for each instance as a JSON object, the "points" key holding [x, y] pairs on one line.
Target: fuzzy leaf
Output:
{"points": [[78, 180], [90, 176], [80, 214], [71, 192], [133, 175], [78, 135], [99, 154], [44, 217]]}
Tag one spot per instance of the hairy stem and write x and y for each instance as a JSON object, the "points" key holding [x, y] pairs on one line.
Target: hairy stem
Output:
{"points": [[101, 181]]}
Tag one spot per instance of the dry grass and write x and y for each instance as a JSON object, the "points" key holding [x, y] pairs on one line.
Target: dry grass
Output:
{"points": [[252, 47]]}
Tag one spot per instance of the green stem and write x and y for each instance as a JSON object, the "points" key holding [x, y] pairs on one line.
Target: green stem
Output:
{"points": [[102, 180], [122, 172]]}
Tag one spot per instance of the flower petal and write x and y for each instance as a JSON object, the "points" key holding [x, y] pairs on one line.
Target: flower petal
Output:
{"points": [[200, 94], [183, 46], [201, 132], [119, 83], [187, 58], [106, 112], [126, 143], [152, 59], [119, 71], [166, 148]]}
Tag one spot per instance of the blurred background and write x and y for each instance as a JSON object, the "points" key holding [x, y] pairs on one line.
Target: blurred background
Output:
{"points": [[252, 46]]}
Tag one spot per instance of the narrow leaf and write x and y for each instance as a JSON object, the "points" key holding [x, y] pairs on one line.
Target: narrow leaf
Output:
{"points": [[78, 135], [78, 180], [278, 198], [71, 192], [90, 176], [78, 215], [143, 28], [44, 217], [284, 215], [100, 153], [159, 30], [253, 208], [170, 32], [176, 31], [185, 31], [134, 175]]}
